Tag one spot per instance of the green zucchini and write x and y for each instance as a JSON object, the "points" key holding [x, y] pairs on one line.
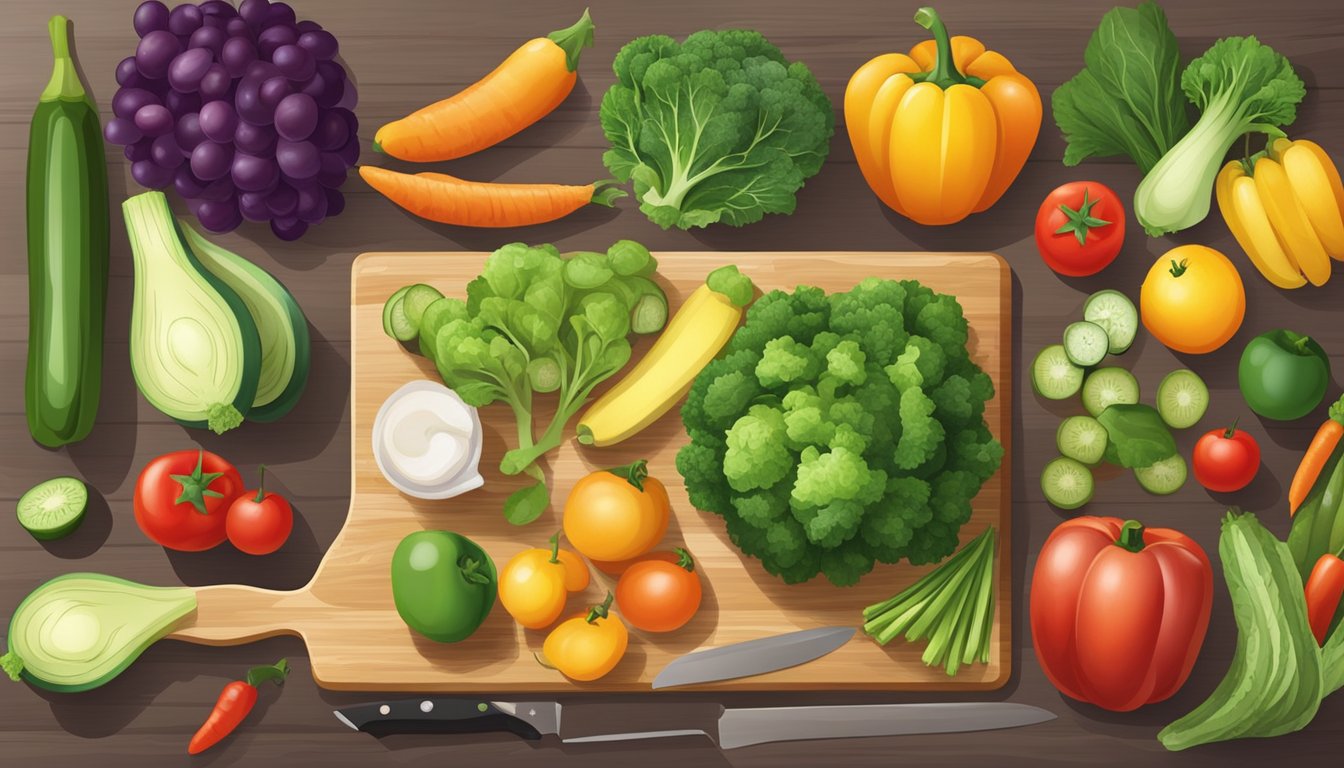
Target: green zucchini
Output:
{"points": [[68, 242], [195, 350], [283, 329]]}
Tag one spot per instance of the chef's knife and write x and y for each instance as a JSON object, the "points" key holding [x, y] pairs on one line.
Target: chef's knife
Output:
{"points": [[735, 728], [753, 657]]}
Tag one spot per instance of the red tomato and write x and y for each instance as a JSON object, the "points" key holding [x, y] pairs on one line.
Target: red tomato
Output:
{"points": [[1080, 228], [181, 499], [1226, 459], [1119, 611], [656, 595], [260, 522]]}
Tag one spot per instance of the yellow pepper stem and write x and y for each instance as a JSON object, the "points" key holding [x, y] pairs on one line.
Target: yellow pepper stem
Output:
{"points": [[944, 73]]}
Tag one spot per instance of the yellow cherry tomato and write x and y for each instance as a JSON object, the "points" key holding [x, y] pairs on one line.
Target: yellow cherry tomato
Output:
{"points": [[1192, 300], [589, 646], [616, 514], [535, 583]]}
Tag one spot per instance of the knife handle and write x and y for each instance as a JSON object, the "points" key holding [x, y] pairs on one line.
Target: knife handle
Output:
{"points": [[436, 715]]}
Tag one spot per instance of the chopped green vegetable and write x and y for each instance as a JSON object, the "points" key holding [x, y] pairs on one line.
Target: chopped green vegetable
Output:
{"points": [[952, 607], [720, 127], [1242, 87], [836, 431], [1137, 436], [1126, 100]]}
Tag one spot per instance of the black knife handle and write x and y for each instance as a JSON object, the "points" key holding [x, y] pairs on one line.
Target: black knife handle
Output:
{"points": [[436, 715]]}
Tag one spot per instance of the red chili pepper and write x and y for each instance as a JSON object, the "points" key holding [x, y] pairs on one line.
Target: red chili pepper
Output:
{"points": [[1324, 589], [235, 701]]}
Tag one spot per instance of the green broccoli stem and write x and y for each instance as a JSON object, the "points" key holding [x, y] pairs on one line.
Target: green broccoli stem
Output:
{"points": [[944, 73]]}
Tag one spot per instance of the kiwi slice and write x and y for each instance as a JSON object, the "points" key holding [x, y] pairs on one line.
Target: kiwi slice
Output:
{"points": [[55, 508], [1182, 398]]}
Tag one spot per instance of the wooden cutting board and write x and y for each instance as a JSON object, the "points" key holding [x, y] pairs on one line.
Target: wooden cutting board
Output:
{"points": [[346, 615]]}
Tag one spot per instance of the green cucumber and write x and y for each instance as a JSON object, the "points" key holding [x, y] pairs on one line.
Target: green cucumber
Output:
{"points": [[1115, 313], [1081, 438], [1085, 343], [68, 245], [1053, 375], [1067, 484], [53, 508], [1163, 478], [1109, 386], [1182, 398], [417, 299], [392, 301]]}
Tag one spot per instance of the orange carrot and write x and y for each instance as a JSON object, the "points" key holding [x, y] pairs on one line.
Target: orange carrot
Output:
{"points": [[520, 91], [1318, 453], [450, 200]]}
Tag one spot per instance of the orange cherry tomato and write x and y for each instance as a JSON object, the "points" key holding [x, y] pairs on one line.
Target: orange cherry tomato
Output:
{"points": [[616, 514], [535, 583], [656, 595]]}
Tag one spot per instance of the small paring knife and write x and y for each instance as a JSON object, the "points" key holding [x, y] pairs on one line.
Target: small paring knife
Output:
{"points": [[739, 727]]}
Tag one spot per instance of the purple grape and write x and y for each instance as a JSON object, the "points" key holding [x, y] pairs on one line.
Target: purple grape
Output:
{"points": [[331, 71], [253, 174], [332, 91], [216, 83], [186, 183], [218, 122], [120, 130], [150, 16], [184, 19], [321, 44], [307, 26], [219, 189], [128, 101], [164, 151], [155, 52], [331, 131], [252, 205], [350, 152], [218, 8], [154, 120], [254, 12], [256, 140], [187, 69], [216, 22], [288, 229], [211, 160], [335, 202], [237, 54], [127, 72], [272, 39], [315, 86], [273, 91], [283, 201], [219, 216], [181, 103], [247, 100], [209, 38], [312, 205], [331, 170], [280, 14], [150, 175], [295, 116], [236, 27], [297, 159], [188, 132], [260, 71], [137, 151], [294, 62]]}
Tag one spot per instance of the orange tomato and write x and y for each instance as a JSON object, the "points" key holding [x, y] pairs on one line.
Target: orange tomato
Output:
{"points": [[616, 514], [656, 595], [589, 646], [534, 584]]}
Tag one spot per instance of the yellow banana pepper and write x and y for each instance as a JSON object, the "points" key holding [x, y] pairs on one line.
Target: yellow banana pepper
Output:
{"points": [[942, 132], [1285, 207]]}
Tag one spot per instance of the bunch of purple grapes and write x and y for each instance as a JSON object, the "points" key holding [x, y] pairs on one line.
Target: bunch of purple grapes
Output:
{"points": [[244, 112]]}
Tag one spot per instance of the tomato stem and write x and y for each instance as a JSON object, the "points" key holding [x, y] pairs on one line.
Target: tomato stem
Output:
{"points": [[684, 559], [555, 547], [600, 611], [1131, 536], [633, 473], [261, 484], [1081, 221], [1179, 269], [1232, 430], [196, 486], [275, 673]]}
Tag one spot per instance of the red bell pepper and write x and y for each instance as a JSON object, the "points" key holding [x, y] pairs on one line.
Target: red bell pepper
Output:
{"points": [[1119, 611], [1324, 589]]}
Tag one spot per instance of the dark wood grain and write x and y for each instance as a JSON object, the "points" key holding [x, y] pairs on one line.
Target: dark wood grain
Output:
{"points": [[404, 54]]}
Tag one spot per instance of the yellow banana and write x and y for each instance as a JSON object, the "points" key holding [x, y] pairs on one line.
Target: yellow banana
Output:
{"points": [[1245, 216], [1317, 186], [705, 322], [1290, 221]]}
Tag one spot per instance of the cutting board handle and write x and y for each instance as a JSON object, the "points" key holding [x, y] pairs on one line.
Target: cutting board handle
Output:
{"points": [[233, 614]]}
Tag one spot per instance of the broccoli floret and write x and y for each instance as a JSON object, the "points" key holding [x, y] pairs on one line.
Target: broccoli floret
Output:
{"points": [[872, 312], [975, 451], [848, 411], [830, 493], [756, 456], [763, 509], [845, 436], [942, 321], [920, 432], [845, 361], [701, 466], [800, 398], [844, 567], [952, 401], [888, 527], [729, 395], [806, 426], [785, 360]]}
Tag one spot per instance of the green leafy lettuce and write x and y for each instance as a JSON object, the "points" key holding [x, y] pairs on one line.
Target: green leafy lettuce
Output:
{"points": [[719, 127]]}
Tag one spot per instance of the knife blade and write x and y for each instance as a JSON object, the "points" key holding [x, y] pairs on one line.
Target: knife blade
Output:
{"points": [[739, 727], [763, 725], [753, 657]]}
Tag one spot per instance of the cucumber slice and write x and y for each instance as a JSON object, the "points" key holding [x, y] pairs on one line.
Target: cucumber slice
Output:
{"points": [[52, 509], [417, 299], [1107, 387], [1066, 483], [402, 327], [1081, 438], [1085, 343], [1053, 376], [1115, 313], [1182, 398], [1164, 477], [387, 310]]}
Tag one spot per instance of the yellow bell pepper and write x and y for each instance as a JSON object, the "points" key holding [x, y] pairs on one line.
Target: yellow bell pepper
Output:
{"points": [[942, 132], [1285, 207]]}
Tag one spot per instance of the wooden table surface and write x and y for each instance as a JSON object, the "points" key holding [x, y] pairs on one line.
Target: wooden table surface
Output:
{"points": [[404, 54]]}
